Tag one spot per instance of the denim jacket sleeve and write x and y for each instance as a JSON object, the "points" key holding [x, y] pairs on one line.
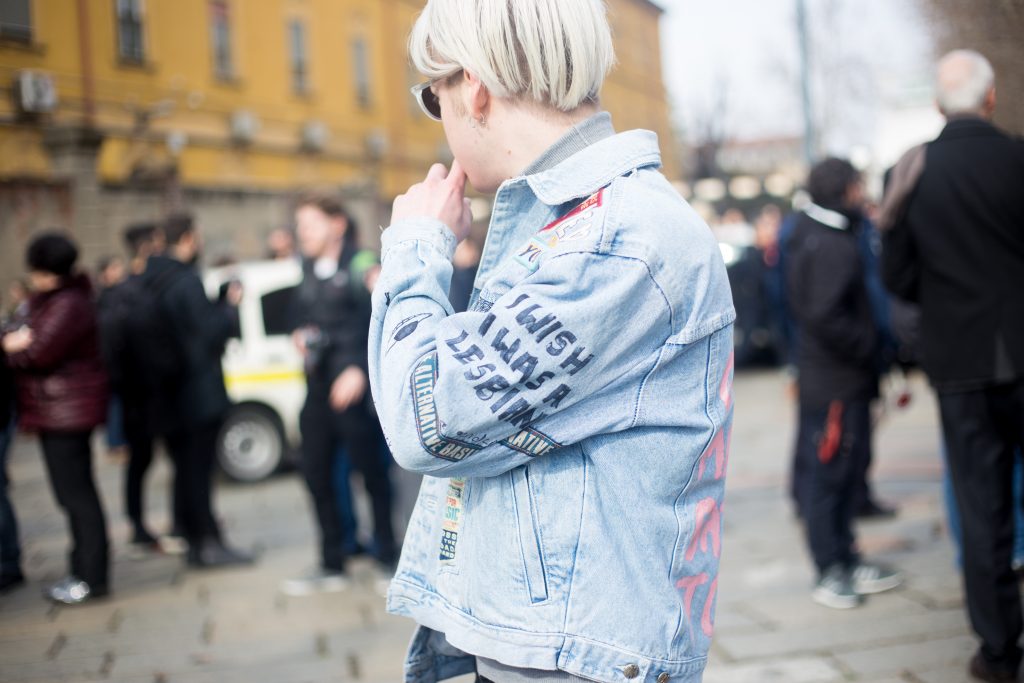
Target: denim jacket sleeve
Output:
{"points": [[482, 392]]}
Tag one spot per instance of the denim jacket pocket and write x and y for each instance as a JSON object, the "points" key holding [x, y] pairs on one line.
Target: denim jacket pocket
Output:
{"points": [[530, 542]]}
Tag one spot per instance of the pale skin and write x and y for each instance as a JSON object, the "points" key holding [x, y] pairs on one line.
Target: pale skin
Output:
{"points": [[492, 138], [320, 236]]}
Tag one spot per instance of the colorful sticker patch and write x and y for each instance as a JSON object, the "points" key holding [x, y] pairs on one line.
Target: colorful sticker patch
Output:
{"points": [[531, 442], [424, 378], [574, 225], [529, 255], [452, 519], [592, 202]]}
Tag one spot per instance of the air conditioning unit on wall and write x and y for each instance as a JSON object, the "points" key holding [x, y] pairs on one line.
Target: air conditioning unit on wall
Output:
{"points": [[244, 126], [376, 143], [315, 136], [35, 92]]}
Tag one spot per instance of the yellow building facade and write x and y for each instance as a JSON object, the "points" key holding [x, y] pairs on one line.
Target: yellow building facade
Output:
{"points": [[118, 110]]}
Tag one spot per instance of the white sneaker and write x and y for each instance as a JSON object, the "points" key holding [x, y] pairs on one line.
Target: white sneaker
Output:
{"points": [[835, 589], [875, 578], [318, 580], [172, 545]]}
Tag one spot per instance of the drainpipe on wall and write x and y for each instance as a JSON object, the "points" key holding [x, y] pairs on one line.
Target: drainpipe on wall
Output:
{"points": [[85, 57]]}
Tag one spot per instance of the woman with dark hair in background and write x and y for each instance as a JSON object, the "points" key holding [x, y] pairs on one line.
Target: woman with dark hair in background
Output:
{"points": [[62, 395]]}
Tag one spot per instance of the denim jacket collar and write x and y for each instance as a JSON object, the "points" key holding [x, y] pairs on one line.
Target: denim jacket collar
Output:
{"points": [[578, 138], [587, 158]]}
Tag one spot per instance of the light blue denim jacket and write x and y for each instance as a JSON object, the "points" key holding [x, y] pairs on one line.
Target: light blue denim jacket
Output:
{"points": [[573, 424]]}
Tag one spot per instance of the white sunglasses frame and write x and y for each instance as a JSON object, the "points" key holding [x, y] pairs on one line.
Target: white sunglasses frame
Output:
{"points": [[417, 93]]}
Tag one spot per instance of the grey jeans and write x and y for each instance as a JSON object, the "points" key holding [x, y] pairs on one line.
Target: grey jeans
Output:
{"points": [[489, 670]]}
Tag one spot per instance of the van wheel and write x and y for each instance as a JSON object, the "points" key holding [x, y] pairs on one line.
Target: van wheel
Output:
{"points": [[250, 446]]}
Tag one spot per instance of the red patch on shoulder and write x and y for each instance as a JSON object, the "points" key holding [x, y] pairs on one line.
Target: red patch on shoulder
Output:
{"points": [[590, 202]]}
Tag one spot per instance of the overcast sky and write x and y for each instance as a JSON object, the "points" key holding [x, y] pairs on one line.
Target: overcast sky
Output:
{"points": [[867, 54]]}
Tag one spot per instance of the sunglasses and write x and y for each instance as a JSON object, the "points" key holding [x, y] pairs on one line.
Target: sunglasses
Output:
{"points": [[427, 99]]}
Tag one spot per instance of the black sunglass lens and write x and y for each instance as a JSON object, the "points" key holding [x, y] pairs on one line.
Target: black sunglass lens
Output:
{"points": [[430, 101]]}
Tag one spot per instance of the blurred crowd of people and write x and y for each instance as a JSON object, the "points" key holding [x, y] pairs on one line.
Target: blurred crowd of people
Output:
{"points": [[843, 291], [846, 292], [139, 348]]}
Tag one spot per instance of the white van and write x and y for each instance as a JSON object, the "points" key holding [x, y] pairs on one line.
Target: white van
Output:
{"points": [[262, 370]]}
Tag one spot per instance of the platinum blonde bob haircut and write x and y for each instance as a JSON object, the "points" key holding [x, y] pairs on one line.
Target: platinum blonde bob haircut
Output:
{"points": [[553, 52]]}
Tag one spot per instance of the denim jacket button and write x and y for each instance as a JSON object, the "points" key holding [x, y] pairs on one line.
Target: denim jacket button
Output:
{"points": [[663, 678], [631, 671]]}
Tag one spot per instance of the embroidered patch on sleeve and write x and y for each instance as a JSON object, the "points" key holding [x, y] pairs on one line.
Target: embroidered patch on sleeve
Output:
{"points": [[452, 519], [424, 378], [531, 442], [406, 327]]}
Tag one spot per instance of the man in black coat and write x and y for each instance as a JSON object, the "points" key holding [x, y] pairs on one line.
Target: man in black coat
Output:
{"points": [[192, 408], [838, 377], [956, 247], [126, 359], [331, 316]]}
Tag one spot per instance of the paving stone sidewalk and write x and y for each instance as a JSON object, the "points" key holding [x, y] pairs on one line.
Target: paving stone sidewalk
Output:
{"points": [[167, 625]]}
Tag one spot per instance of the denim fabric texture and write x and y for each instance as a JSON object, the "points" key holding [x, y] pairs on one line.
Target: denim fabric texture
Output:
{"points": [[572, 425]]}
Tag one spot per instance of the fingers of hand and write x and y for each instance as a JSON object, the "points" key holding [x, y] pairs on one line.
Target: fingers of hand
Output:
{"points": [[457, 177], [466, 219], [437, 172]]}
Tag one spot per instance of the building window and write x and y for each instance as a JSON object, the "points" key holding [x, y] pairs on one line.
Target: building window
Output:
{"points": [[361, 62], [130, 44], [220, 38], [16, 20], [298, 57]]}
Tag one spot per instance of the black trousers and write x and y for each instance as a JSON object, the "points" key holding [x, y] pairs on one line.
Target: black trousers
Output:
{"points": [[323, 431], [141, 441], [982, 430], [832, 448], [194, 451], [68, 457], [862, 493]]}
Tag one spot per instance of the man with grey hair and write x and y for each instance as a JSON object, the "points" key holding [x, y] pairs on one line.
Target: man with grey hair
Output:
{"points": [[954, 243], [573, 423], [966, 85]]}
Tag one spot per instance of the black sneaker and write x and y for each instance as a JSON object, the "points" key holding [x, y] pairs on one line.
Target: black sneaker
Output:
{"points": [[835, 589], [981, 670], [143, 545], [214, 554], [872, 510]]}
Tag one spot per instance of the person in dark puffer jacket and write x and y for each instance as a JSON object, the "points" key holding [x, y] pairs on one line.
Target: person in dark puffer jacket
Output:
{"points": [[62, 396]]}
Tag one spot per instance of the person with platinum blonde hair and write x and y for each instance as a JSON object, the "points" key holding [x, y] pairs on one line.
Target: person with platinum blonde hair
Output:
{"points": [[953, 243], [573, 424], [966, 84]]}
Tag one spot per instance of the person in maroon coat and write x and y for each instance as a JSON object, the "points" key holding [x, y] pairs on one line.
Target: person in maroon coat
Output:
{"points": [[62, 396]]}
